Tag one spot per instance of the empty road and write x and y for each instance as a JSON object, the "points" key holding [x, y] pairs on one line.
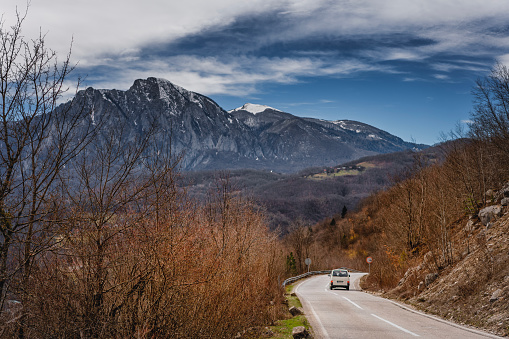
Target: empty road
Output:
{"points": [[354, 314]]}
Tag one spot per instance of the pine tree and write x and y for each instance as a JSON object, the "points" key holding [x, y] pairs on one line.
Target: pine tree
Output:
{"points": [[343, 212], [291, 265]]}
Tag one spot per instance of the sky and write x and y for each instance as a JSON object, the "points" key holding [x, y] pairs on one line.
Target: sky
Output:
{"points": [[407, 67]]}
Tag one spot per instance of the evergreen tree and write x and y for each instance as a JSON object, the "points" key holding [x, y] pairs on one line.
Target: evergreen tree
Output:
{"points": [[291, 265], [343, 212]]}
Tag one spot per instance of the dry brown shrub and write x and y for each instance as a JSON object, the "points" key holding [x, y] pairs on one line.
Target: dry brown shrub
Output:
{"points": [[187, 271]]}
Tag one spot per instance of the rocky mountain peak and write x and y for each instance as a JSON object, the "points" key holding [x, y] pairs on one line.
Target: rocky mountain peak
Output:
{"points": [[159, 88]]}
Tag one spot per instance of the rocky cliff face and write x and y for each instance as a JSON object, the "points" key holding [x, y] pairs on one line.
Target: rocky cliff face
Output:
{"points": [[211, 138]]}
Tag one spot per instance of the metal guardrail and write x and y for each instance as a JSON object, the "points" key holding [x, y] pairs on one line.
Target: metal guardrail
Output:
{"points": [[294, 279]]}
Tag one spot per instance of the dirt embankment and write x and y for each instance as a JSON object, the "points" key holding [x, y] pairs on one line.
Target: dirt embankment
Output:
{"points": [[474, 289]]}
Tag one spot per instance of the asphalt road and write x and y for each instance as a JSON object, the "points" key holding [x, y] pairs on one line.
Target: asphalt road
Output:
{"points": [[355, 314]]}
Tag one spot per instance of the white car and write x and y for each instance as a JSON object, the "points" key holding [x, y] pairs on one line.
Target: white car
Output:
{"points": [[339, 278]]}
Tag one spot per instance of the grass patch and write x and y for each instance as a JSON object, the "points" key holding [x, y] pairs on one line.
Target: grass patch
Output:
{"points": [[341, 173], [284, 327], [349, 170], [292, 300], [367, 165]]}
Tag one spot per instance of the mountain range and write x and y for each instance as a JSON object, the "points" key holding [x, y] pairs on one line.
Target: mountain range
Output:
{"points": [[252, 136]]}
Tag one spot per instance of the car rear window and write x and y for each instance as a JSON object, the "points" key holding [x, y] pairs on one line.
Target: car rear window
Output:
{"points": [[340, 274]]}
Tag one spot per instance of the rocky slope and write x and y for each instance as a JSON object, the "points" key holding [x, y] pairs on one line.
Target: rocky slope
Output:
{"points": [[475, 289], [211, 138]]}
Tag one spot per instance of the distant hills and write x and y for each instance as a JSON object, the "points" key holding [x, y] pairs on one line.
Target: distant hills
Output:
{"points": [[316, 193], [250, 137]]}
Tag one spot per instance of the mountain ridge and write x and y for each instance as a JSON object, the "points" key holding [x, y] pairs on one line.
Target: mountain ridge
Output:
{"points": [[211, 138]]}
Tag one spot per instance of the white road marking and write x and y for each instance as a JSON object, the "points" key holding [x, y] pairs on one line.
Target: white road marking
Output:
{"points": [[327, 288], [352, 303], [393, 324]]}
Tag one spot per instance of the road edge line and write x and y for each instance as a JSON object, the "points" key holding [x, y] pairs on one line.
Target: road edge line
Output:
{"points": [[397, 326], [463, 327]]}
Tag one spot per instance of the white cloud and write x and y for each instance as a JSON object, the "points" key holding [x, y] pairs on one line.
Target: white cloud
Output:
{"points": [[115, 27], [441, 76], [238, 76], [114, 34], [460, 65], [411, 79], [118, 26], [503, 59]]}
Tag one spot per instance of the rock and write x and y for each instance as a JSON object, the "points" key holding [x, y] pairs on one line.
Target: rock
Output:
{"points": [[427, 260], [496, 295], [430, 278], [503, 193], [410, 272], [294, 311], [300, 332], [470, 226], [490, 213]]}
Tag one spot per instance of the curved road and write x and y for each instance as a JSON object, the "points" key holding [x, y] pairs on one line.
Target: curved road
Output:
{"points": [[353, 314]]}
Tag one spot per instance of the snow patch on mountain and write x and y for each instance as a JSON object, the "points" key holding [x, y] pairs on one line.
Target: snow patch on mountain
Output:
{"points": [[253, 108], [164, 87], [349, 126]]}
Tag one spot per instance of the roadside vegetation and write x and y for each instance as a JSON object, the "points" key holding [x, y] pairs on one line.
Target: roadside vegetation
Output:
{"points": [[426, 233], [283, 327]]}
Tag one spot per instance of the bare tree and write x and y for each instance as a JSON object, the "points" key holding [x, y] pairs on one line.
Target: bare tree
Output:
{"points": [[491, 108], [36, 143], [299, 240]]}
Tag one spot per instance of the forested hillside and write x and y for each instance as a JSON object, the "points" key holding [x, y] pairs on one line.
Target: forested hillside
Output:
{"points": [[315, 193], [439, 237]]}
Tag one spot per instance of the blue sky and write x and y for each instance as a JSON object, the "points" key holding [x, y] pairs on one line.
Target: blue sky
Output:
{"points": [[406, 67]]}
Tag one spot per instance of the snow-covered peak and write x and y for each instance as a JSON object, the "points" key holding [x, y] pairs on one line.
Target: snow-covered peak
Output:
{"points": [[254, 108]]}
